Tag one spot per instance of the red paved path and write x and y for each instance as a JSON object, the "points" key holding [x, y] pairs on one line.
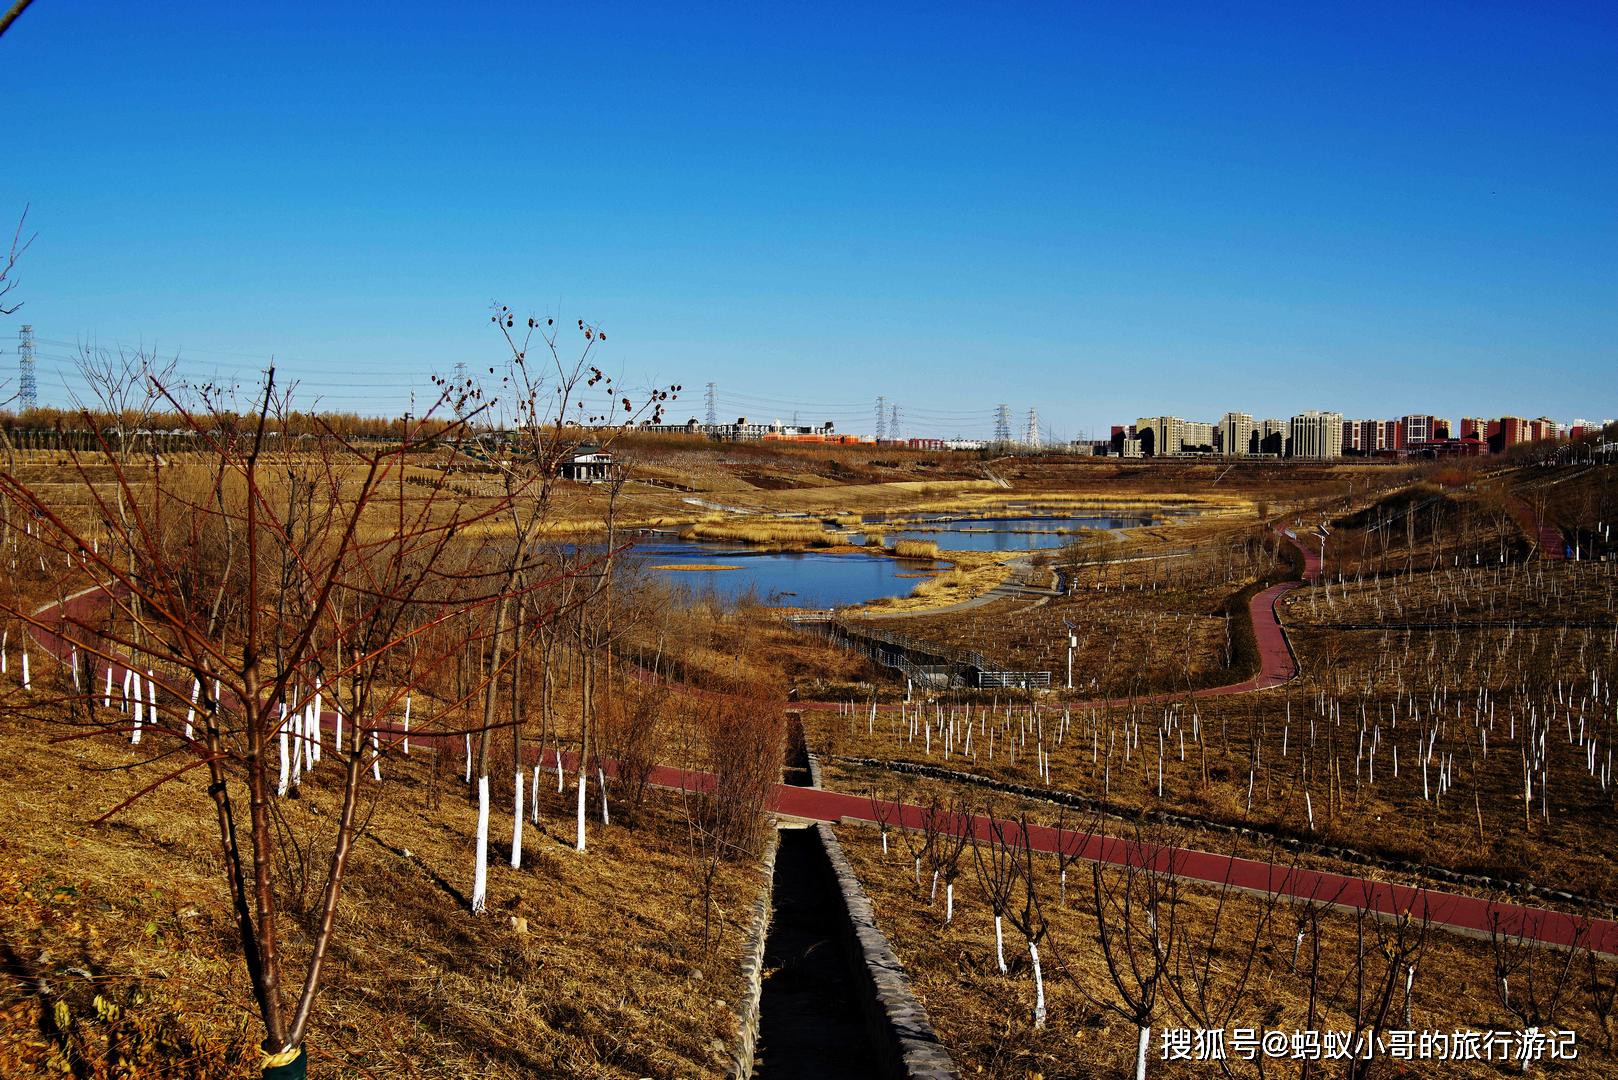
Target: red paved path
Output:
{"points": [[1277, 665], [1465, 914]]}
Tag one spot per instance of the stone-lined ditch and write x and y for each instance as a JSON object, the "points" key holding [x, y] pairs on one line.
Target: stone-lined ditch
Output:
{"points": [[833, 1000]]}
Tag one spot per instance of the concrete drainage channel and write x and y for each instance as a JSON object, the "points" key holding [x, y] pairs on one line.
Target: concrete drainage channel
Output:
{"points": [[833, 1000]]}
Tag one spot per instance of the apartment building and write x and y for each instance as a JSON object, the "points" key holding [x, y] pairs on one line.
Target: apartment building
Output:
{"points": [[1236, 434], [1317, 434]]}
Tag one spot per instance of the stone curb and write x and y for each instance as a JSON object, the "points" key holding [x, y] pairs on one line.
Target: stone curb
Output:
{"points": [[897, 1022], [814, 769], [741, 1055]]}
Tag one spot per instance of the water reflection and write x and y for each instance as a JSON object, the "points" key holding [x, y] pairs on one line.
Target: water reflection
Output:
{"points": [[812, 579]]}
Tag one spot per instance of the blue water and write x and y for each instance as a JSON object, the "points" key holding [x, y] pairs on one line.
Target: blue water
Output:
{"points": [[782, 578], [1014, 533]]}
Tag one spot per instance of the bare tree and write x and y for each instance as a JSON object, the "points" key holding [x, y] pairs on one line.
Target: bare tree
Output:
{"points": [[1530, 977], [995, 860], [190, 560], [1029, 917], [1136, 907], [11, 14], [1385, 957], [957, 830], [1210, 973], [18, 246]]}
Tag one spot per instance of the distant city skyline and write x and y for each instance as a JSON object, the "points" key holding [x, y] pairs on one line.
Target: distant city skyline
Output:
{"points": [[1099, 213], [350, 392]]}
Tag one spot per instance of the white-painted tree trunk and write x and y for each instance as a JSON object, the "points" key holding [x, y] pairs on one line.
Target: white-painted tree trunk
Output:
{"points": [[1140, 1053], [151, 697], [376, 757], [314, 707], [999, 944], [480, 868], [1039, 986], [468, 750], [601, 780], [559, 778], [140, 709], [27, 677], [191, 711], [73, 665], [578, 844], [298, 752], [106, 695], [516, 826], [949, 902], [281, 788], [535, 800], [407, 726]]}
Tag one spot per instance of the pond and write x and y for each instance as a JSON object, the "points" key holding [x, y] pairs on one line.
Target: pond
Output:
{"points": [[811, 579], [1023, 533]]}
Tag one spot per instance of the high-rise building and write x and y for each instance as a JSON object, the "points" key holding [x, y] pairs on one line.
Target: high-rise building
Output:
{"points": [[1272, 437], [1362, 436], [1512, 430], [1160, 435], [1317, 435], [1196, 436], [1236, 434], [1418, 428], [1474, 427]]}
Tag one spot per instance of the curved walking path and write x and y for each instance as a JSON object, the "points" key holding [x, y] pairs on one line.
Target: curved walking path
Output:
{"points": [[1277, 663], [1472, 916], [1461, 913]]}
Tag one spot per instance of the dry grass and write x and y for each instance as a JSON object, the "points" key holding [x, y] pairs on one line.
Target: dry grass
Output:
{"points": [[916, 549], [983, 1017], [945, 585], [764, 533], [611, 978]]}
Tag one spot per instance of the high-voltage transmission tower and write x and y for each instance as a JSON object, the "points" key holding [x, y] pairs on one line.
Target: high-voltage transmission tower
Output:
{"points": [[1002, 424], [881, 417], [893, 423], [1031, 436], [27, 386], [713, 404]]}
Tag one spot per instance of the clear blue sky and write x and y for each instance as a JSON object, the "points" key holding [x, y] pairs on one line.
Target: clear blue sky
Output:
{"points": [[1102, 210]]}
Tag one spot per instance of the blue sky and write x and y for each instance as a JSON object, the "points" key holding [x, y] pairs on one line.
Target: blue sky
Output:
{"points": [[1102, 211]]}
